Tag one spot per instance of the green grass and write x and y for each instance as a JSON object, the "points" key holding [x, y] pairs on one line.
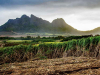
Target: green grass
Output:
{"points": [[10, 41]]}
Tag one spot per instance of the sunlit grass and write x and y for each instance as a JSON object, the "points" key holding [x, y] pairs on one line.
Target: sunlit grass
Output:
{"points": [[36, 45], [10, 41]]}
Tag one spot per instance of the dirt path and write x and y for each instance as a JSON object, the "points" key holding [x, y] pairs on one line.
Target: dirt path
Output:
{"points": [[59, 66]]}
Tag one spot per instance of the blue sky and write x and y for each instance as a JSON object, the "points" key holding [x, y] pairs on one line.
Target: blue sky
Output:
{"points": [[80, 14]]}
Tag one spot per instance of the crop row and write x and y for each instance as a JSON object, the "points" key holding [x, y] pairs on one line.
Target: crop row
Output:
{"points": [[44, 50]]}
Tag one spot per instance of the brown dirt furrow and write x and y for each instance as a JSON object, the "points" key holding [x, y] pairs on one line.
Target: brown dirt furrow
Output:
{"points": [[60, 66]]}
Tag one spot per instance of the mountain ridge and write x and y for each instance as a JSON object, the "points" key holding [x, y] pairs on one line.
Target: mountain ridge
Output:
{"points": [[34, 24]]}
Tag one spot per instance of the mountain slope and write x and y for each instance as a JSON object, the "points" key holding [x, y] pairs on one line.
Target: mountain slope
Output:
{"points": [[60, 25], [35, 24], [25, 24]]}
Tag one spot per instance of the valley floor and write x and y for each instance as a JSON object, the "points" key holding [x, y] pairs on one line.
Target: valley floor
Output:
{"points": [[59, 66]]}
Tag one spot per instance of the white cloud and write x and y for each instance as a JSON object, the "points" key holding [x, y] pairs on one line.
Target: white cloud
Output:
{"points": [[82, 16]]}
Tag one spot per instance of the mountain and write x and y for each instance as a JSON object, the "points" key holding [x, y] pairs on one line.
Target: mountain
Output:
{"points": [[25, 24], [60, 25], [32, 24], [94, 31]]}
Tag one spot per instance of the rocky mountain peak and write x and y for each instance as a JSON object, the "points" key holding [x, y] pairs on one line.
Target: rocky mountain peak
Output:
{"points": [[59, 22], [32, 16], [24, 16], [35, 24]]}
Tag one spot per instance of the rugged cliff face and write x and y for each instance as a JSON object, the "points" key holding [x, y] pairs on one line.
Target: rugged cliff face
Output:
{"points": [[35, 24], [25, 24]]}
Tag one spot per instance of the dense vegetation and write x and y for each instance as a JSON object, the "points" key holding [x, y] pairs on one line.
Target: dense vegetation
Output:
{"points": [[46, 49], [76, 37], [11, 41], [46, 39], [32, 38]]}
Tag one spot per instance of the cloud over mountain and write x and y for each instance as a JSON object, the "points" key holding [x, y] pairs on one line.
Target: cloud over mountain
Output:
{"points": [[77, 13]]}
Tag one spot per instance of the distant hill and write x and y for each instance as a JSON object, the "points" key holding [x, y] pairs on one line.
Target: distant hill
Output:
{"points": [[32, 24]]}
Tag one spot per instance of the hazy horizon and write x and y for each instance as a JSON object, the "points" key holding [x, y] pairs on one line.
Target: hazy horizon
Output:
{"points": [[81, 14]]}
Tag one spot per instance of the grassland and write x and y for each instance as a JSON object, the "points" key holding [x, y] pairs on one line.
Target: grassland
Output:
{"points": [[10, 41]]}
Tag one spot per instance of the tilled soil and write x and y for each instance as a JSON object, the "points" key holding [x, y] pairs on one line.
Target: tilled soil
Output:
{"points": [[58, 66]]}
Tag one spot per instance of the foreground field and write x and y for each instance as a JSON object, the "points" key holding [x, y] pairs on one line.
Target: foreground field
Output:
{"points": [[49, 57], [59, 66], [48, 50]]}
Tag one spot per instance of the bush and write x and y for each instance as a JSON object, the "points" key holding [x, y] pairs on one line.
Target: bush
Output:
{"points": [[4, 41]]}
